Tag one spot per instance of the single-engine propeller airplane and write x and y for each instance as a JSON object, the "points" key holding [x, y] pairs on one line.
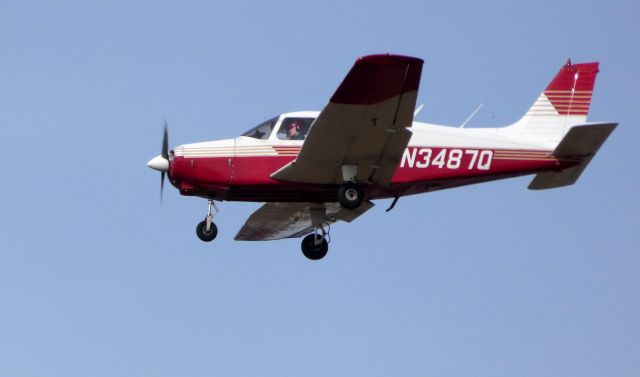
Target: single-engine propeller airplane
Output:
{"points": [[314, 168]]}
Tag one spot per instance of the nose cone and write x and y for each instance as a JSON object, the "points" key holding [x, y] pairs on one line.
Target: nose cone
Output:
{"points": [[159, 163]]}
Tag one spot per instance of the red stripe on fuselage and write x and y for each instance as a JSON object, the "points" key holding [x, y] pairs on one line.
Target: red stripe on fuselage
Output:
{"points": [[248, 178]]}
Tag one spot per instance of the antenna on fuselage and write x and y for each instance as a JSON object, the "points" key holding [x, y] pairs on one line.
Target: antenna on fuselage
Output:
{"points": [[418, 110], [471, 116]]}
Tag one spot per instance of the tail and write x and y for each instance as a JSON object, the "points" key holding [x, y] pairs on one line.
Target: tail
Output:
{"points": [[580, 144], [563, 104]]}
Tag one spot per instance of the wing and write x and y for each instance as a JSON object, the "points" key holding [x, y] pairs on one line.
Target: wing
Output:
{"points": [[364, 124], [277, 220]]}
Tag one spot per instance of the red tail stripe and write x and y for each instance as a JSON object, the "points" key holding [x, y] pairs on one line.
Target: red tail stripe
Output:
{"points": [[571, 90]]}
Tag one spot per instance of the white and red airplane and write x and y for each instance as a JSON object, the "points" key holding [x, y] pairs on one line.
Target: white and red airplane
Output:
{"points": [[315, 168]]}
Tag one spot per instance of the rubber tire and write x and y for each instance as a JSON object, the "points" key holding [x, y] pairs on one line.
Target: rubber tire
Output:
{"points": [[206, 236], [348, 189], [313, 251]]}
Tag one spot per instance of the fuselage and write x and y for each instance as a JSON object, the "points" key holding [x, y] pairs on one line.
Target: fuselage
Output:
{"points": [[437, 157], [316, 168]]}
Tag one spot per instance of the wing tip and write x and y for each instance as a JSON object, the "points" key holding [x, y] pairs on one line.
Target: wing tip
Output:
{"points": [[388, 58], [376, 78]]}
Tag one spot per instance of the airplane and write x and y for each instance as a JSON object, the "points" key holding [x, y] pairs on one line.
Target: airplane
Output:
{"points": [[312, 169]]}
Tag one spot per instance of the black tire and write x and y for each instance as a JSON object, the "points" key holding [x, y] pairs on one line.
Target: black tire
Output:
{"points": [[204, 235], [313, 251], [350, 195]]}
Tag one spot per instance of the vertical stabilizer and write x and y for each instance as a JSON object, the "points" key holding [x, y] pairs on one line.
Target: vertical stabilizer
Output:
{"points": [[564, 103]]}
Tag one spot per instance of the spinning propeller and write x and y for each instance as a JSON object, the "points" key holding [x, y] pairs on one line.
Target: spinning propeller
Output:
{"points": [[161, 162]]}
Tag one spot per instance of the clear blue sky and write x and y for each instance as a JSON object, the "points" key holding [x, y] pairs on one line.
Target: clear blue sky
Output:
{"points": [[487, 280]]}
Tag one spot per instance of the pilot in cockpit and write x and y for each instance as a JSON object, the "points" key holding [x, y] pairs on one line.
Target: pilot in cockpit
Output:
{"points": [[294, 131]]}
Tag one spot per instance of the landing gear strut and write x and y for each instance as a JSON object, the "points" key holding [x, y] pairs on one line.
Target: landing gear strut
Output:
{"points": [[315, 245], [206, 229]]}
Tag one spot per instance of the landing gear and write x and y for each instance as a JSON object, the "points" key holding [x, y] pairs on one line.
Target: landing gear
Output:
{"points": [[350, 195], [315, 246], [203, 234], [206, 229]]}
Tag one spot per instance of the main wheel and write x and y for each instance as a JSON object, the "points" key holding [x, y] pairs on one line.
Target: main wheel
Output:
{"points": [[312, 250], [350, 195], [203, 234]]}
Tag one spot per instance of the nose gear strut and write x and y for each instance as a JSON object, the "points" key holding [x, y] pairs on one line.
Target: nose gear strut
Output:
{"points": [[206, 229]]}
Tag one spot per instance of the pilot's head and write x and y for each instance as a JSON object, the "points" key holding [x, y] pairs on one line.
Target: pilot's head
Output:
{"points": [[293, 129]]}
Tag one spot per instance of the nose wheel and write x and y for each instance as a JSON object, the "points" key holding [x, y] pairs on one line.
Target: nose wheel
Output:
{"points": [[206, 229]]}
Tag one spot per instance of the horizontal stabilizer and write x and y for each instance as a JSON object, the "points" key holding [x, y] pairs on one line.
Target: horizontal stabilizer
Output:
{"points": [[581, 142]]}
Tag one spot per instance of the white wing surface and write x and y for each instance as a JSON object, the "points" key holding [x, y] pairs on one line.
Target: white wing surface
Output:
{"points": [[364, 124], [277, 220]]}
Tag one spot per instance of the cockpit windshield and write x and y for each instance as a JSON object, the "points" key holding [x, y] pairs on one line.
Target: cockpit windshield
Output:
{"points": [[263, 130]]}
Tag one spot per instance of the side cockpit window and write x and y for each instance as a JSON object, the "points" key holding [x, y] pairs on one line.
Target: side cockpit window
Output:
{"points": [[263, 130], [294, 128]]}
